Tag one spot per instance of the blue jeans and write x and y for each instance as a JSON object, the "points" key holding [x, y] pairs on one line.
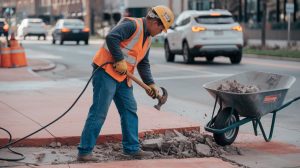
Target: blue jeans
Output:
{"points": [[105, 90]]}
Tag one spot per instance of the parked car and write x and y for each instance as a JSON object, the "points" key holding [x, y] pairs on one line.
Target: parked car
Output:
{"points": [[204, 34], [3, 27], [70, 30], [32, 27]]}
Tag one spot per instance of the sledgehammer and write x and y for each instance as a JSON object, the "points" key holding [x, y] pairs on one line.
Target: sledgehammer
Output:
{"points": [[161, 98]]}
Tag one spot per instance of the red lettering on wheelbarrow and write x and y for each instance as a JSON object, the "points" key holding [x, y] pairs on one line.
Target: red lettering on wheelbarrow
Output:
{"points": [[270, 99]]}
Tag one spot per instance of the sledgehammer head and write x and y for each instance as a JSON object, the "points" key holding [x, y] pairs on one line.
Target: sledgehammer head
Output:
{"points": [[162, 99]]}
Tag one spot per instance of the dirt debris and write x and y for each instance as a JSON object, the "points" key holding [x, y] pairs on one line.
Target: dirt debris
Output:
{"points": [[236, 87], [171, 144]]}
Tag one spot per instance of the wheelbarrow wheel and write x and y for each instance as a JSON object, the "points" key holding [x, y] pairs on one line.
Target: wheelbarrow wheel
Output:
{"points": [[223, 120]]}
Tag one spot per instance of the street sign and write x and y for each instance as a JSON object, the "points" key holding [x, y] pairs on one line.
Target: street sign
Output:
{"points": [[289, 8]]}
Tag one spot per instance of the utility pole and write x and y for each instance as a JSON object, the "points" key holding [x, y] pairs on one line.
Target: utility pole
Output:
{"points": [[264, 21], [86, 11], [258, 11], [245, 11], [92, 16], [290, 9], [240, 11], [277, 11], [296, 10]]}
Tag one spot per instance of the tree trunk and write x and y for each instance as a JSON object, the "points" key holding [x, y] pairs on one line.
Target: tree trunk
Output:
{"points": [[240, 11], [245, 11], [295, 10], [277, 11], [258, 11]]}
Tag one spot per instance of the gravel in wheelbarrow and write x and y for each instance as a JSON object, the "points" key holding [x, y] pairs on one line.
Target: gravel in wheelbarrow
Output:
{"points": [[267, 92], [250, 95]]}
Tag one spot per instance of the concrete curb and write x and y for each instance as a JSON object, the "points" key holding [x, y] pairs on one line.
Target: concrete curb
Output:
{"points": [[255, 56], [74, 140], [271, 57], [49, 65]]}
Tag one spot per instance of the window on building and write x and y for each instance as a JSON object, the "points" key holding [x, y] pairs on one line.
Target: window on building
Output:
{"points": [[199, 4]]}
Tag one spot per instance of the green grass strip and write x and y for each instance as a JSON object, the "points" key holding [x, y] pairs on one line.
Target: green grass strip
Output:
{"points": [[277, 53]]}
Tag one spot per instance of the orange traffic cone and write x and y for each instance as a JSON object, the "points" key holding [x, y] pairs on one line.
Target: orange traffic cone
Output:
{"points": [[5, 57], [18, 57], [13, 42]]}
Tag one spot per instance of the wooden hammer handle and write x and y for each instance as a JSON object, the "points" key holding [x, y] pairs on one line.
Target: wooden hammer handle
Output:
{"points": [[139, 82]]}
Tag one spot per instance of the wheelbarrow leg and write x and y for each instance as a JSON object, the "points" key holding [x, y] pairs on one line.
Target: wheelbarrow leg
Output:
{"points": [[254, 123], [213, 117], [267, 139]]}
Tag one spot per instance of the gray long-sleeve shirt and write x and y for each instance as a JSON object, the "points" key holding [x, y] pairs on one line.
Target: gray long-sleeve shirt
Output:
{"points": [[121, 32]]}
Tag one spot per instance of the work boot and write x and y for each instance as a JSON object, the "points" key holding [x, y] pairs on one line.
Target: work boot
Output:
{"points": [[86, 158], [140, 154]]}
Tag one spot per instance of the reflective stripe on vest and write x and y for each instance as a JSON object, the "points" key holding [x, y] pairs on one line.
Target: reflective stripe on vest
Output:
{"points": [[130, 45], [133, 50]]}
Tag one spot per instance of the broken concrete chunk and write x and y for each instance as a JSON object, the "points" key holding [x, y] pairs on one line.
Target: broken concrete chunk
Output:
{"points": [[116, 147], [152, 144], [203, 150], [209, 142], [55, 144], [52, 144], [186, 154], [169, 134], [180, 137], [166, 145], [39, 156], [200, 138], [58, 144]]}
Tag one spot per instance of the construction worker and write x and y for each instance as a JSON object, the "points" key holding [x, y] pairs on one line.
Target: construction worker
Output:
{"points": [[127, 45]]}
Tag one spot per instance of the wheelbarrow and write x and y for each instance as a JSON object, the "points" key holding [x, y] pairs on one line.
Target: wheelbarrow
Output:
{"points": [[249, 106]]}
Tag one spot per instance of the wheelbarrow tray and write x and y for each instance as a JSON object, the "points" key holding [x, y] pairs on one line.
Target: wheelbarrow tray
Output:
{"points": [[272, 91]]}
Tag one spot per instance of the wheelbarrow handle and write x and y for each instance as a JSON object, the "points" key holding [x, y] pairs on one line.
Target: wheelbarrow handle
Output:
{"points": [[289, 102]]}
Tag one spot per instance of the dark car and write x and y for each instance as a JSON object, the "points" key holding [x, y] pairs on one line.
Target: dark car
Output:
{"points": [[70, 30], [3, 27]]}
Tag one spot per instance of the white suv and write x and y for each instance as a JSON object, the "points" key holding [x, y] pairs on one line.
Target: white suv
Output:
{"points": [[204, 34], [32, 27]]}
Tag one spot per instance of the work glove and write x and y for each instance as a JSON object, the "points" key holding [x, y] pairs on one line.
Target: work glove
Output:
{"points": [[153, 91], [120, 67]]}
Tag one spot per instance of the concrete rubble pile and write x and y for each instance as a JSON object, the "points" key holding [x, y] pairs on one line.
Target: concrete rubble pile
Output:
{"points": [[171, 144], [236, 87], [174, 144]]}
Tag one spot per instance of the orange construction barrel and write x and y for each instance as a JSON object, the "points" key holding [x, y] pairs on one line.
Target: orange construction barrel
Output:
{"points": [[14, 43], [18, 57], [5, 57]]}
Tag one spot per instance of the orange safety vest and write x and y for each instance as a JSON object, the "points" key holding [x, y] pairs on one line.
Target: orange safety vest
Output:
{"points": [[132, 49]]}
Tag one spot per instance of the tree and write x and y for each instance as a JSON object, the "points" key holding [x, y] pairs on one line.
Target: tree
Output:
{"points": [[264, 22]]}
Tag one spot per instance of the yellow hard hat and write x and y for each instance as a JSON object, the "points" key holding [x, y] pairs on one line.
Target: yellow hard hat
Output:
{"points": [[165, 15]]}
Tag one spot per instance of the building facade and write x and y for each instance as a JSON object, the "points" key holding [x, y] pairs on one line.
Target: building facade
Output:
{"points": [[101, 13]]}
